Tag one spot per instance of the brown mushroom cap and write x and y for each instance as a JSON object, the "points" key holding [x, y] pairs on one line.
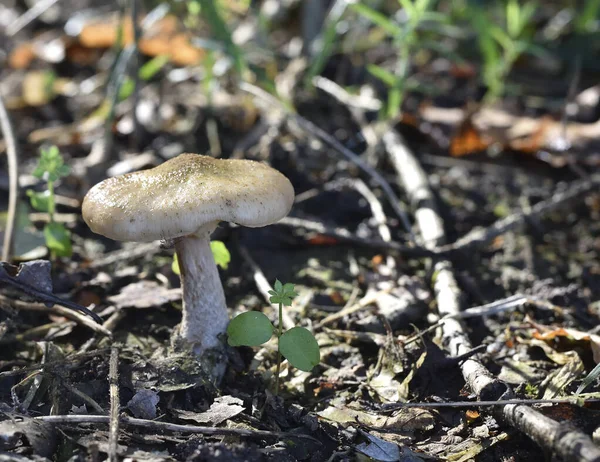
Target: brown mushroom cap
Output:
{"points": [[183, 194]]}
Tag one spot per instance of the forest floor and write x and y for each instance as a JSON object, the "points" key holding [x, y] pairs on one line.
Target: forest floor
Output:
{"points": [[491, 293]]}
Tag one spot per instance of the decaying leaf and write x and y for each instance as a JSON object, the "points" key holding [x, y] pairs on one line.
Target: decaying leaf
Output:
{"points": [[224, 408], [556, 382], [378, 449], [548, 333], [144, 294], [406, 420], [143, 404], [22, 431]]}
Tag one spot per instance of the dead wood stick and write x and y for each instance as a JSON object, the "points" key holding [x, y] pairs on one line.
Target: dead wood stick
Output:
{"points": [[160, 427], [74, 358], [339, 147], [362, 303], [113, 381], [387, 407], [569, 443], [56, 309], [481, 236], [13, 180], [344, 235], [46, 297]]}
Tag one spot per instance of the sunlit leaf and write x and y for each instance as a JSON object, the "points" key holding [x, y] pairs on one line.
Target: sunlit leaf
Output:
{"points": [[251, 328], [39, 200], [220, 253], [58, 239], [300, 348]]}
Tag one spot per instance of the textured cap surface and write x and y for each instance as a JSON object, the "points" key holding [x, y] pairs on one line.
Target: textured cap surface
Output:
{"points": [[181, 195]]}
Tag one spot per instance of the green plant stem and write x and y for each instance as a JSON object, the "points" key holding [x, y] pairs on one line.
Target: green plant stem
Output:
{"points": [[51, 205], [279, 334]]}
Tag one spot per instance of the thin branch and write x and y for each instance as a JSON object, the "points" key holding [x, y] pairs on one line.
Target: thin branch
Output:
{"points": [[344, 235], [339, 147], [48, 298], [159, 427], [567, 442], [481, 236], [263, 285], [500, 402], [13, 179], [56, 309], [31, 14], [113, 382]]}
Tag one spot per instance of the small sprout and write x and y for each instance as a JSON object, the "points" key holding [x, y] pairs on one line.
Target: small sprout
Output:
{"points": [[251, 328], [283, 293], [298, 345], [51, 167]]}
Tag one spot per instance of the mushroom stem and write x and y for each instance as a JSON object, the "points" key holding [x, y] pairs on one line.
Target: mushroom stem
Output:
{"points": [[205, 315]]}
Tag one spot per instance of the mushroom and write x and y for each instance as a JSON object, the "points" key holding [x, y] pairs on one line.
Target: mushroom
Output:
{"points": [[184, 199]]}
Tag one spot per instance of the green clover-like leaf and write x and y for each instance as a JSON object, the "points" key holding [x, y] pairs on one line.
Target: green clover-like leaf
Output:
{"points": [[300, 348], [51, 164], [40, 201], [58, 239], [251, 328], [282, 293]]}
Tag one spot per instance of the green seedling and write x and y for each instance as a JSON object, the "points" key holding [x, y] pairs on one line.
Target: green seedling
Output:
{"points": [[51, 168], [298, 345], [407, 39], [501, 47], [220, 254]]}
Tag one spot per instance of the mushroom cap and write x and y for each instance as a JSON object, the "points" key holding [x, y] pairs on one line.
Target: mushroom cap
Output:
{"points": [[180, 196]]}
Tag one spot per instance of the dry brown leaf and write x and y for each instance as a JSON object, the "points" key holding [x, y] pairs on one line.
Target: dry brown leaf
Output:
{"points": [[22, 56], [552, 333], [163, 38]]}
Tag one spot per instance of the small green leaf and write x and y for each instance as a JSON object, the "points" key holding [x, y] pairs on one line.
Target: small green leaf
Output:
{"points": [[152, 67], [39, 201], [175, 265], [39, 172], [382, 74], [277, 286], [220, 253], [300, 348], [58, 239], [251, 328], [51, 164], [63, 170], [126, 89], [591, 377]]}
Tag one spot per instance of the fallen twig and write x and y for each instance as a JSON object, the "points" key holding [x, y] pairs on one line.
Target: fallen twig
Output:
{"points": [[570, 444], [75, 358], [12, 155], [171, 427], [344, 235], [47, 298], [481, 236], [501, 402], [339, 147], [113, 384], [56, 309], [362, 303]]}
